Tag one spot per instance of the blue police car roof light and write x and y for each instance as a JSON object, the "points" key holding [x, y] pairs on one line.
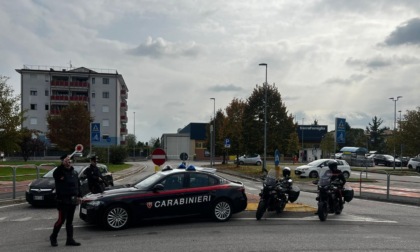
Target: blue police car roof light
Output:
{"points": [[191, 168], [181, 166]]}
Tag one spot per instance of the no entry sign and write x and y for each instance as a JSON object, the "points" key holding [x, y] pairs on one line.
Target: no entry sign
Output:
{"points": [[158, 156]]}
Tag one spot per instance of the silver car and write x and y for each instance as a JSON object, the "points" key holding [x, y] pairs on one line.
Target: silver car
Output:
{"points": [[253, 159], [313, 169]]}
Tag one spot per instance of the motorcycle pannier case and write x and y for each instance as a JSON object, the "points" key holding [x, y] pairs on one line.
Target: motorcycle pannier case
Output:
{"points": [[294, 193], [348, 194]]}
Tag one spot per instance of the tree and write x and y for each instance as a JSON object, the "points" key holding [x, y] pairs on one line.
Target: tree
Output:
{"points": [[279, 124], [11, 117], [70, 127], [293, 144], [376, 135], [327, 144], [409, 132], [154, 142], [232, 125], [30, 143]]}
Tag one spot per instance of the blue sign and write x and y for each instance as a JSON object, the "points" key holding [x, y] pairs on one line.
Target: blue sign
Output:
{"points": [[108, 139], [95, 132], [340, 130], [227, 143], [277, 157]]}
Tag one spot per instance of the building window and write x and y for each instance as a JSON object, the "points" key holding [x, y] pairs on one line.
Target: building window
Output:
{"points": [[34, 121], [34, 93], [47, 92], [105, 81], [33, 106], [47, 106], [105, 95], [105, 123], [93, 95], [105, 109], [93, 80]]}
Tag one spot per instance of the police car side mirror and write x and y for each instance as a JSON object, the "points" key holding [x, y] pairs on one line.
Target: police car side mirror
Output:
{"points": [[158, 187]]}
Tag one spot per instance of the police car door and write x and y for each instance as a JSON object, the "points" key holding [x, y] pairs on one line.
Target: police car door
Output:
{"points": [[170, 201], [199, 192]]}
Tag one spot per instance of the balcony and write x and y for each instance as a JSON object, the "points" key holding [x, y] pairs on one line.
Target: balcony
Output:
{"points": [[123, 119], [59, 98], [79, 98], [79, 84], [123, 131], [124, 106], [59, 83], [123, 142], [124, 94]]}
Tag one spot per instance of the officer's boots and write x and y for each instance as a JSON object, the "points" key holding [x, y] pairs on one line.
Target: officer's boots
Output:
{"points": [[53, 237], [70, 241]]}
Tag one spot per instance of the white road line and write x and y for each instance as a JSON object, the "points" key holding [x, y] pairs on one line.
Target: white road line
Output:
{"points": [[315, 218], [13, 205], [23, 219]]}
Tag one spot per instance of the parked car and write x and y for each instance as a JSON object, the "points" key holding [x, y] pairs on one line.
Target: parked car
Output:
{"points": [[387, 160], [168, 193], [253, 159], [42, 191], [404, 161], [313, 169], [413, 163]]}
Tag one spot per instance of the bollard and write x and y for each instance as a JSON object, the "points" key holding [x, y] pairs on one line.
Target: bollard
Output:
{"points": [[157, 168], [14, 182]]}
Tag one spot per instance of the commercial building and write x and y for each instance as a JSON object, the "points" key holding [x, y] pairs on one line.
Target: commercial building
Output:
{"points": [[50, 89]]}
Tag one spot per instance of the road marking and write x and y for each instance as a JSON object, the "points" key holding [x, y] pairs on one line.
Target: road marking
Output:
{"points": [[50, 228], [12, 205], [23, 219], [290, 207], [349, 218]]}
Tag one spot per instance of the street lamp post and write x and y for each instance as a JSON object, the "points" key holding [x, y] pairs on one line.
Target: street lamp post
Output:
{"points": [[134, 131], [213, 135], [395, 120], [303, 150], [265, 118], [401, 146]]}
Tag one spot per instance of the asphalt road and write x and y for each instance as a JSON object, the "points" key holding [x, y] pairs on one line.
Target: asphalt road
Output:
{"points": [[363, 226]]}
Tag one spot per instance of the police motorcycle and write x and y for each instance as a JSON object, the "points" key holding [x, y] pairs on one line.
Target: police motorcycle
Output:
{"points": [[330, 195], [276, 192]]}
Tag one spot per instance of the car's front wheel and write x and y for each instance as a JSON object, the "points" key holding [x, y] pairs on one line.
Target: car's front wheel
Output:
{"points": [[258, 163], [346, 175], [313, 174], [116, 217], [222, 210]]}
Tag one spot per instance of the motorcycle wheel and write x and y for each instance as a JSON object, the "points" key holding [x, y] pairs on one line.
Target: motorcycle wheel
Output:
{"points": [[338, 208], [280, 207], [260, 209], [322, 211]]}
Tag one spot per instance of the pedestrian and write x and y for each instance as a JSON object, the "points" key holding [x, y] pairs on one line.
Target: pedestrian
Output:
{"points": [[68, 192], [96, 181]]}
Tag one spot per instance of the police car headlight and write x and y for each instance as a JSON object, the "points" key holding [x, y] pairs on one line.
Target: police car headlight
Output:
{"points": [[304, 169], [94, 204]]}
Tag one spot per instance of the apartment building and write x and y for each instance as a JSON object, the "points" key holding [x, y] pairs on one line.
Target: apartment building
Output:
{"points": [[50, 89]]}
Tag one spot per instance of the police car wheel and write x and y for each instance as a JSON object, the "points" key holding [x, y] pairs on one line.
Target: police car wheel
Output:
{"points": [[222, 210], [116, 217]]}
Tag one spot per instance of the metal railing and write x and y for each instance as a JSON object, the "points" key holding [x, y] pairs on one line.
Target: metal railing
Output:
{"points": [[392, 188], [10, 184]]}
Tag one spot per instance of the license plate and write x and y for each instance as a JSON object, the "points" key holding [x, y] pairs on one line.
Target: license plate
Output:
{"points": [[83, 210], [38, 197]]}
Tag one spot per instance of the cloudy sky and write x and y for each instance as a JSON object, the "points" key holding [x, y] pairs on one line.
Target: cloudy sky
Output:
{"points": [[328, 58]]}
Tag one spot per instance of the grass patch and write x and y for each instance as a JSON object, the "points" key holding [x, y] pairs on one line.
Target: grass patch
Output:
{"points": [[29, 173]]}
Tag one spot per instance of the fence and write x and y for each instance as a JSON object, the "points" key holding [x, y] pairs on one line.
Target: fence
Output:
{"points": [[392, 188], [10, 184]]}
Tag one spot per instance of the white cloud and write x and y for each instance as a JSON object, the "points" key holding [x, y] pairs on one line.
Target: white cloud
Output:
{"points": [[328, 58]]}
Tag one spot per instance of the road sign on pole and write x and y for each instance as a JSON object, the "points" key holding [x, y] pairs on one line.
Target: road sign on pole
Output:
{"points": [[158, 156], [183, 156]]}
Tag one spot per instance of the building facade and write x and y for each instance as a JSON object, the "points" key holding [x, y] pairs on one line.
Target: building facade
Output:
{"points": [[47, 90]]}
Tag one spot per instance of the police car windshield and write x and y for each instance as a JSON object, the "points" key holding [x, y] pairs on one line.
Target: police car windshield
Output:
{"points": [[148, 181]]}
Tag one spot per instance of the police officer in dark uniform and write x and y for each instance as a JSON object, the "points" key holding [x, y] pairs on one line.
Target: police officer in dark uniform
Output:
{"points": [[96, 181], [336, 173], [68, 192]]}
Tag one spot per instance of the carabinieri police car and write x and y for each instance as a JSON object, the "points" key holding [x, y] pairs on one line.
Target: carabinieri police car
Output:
{"points": [[168, 193]]}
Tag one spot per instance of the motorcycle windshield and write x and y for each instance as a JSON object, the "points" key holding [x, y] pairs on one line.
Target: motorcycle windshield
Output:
{"points": [[325, 178], [271, 178]]}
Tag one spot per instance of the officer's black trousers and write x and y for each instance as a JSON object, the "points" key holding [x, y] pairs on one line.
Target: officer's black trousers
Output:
{"points": [[65, 215]]}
